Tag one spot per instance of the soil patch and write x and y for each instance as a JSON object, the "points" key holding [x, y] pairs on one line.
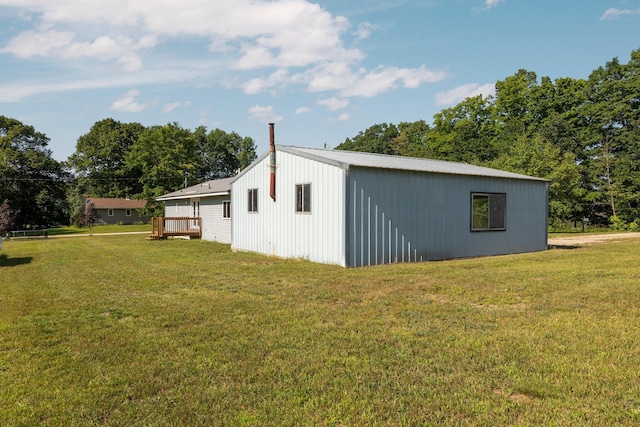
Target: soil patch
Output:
{"points": [[590, 238]]}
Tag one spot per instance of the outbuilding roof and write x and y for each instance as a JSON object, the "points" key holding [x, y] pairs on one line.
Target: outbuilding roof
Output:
{"points": [[216, 187], [346, 159]]}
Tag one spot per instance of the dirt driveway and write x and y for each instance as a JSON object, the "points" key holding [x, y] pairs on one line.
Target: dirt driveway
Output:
{"points": [[589, 238]]}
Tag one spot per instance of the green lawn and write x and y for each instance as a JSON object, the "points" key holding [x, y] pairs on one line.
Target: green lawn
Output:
{"points": [[116, 330], [99, 229]]}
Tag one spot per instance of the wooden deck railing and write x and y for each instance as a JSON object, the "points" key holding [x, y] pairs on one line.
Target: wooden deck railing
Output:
{"points": [[163, 227]]}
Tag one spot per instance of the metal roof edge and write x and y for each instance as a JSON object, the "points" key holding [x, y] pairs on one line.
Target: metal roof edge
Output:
{"points": [[255, 162], [197, 190], [298, 151], [476, 170], [510, 175], [192, 196]]}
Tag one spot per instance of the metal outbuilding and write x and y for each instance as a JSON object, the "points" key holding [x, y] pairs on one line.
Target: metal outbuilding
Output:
{"points": [[359, 209]]}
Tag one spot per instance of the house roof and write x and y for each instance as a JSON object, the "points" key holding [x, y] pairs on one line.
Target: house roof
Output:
{"points": [[114, 203], [346, 159], [216, 187]]}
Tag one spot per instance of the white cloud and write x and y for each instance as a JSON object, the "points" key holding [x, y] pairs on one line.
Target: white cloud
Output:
{"points": [[460, 93], [264, 114], [334, 103], [384, 78], [613, 13], [259, 84], [167, 108], [128, 103], [301, 40], [17, 91], [279, 33], [62, 44], [303, 110], [344, 117], [493, 3], [364, 30]]}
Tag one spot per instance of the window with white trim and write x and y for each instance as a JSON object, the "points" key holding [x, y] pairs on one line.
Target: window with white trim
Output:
{"points": [[253, 200], [128, 212], [109, 212], [226, 209], [303, 198], [488, 211]]}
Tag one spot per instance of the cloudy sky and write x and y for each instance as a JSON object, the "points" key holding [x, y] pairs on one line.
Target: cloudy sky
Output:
{"points": [[323, 71]]}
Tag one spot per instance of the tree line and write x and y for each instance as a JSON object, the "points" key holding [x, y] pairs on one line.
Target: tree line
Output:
{"points": [[113, 159], [581, 134]]}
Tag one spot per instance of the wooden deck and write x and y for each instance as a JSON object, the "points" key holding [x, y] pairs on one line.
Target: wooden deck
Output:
{"points": [[163, 227]]}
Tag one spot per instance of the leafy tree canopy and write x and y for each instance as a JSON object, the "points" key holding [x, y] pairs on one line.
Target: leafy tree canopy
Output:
{"points": [[31, 181], [584, 135]]}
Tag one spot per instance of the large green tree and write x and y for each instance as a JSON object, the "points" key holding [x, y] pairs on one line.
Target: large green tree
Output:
{"points": [[222, 154], [99, 164], [379, 138], [612, 139], [465, 132], [540, 158], [31, 181], [167, 157], [99, 159]]}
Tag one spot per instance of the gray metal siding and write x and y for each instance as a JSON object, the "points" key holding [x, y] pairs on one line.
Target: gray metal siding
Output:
{"points": [[403, 216], [276, 229]]}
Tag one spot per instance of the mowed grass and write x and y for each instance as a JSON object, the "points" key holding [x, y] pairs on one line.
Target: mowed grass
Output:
{"points": [[100, 229], [116, 330]]}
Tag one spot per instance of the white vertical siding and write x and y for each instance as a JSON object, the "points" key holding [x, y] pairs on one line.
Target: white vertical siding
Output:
{"points": [[369, 216], [403, 216], [276, 229]]}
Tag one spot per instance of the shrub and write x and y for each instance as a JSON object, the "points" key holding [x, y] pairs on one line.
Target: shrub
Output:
{"points": [[618, 223]]}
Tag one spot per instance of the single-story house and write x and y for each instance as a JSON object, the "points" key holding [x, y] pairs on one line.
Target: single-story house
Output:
{"points": [[118, 211], [359, 209], [209, 201]]}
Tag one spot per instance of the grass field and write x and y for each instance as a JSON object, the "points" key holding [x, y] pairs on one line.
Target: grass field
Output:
{"points": [[116, 330], [100, 229]]}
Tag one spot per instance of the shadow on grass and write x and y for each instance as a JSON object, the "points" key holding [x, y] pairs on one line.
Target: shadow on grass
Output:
{"points": [[5, 261]]}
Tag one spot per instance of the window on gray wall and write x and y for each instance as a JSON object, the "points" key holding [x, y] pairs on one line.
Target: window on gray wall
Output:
{"points": [[488, 211], [226, 209], [128, 212], [253, 200], [303, 198]]}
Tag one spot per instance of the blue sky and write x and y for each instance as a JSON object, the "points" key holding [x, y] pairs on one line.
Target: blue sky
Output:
{"points": [[322, 71]]}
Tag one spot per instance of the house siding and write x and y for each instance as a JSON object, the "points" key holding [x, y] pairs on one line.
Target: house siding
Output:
{"points": [[120, 216], [214, 226], [404, 216], [276, 229], [177, 208]]}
